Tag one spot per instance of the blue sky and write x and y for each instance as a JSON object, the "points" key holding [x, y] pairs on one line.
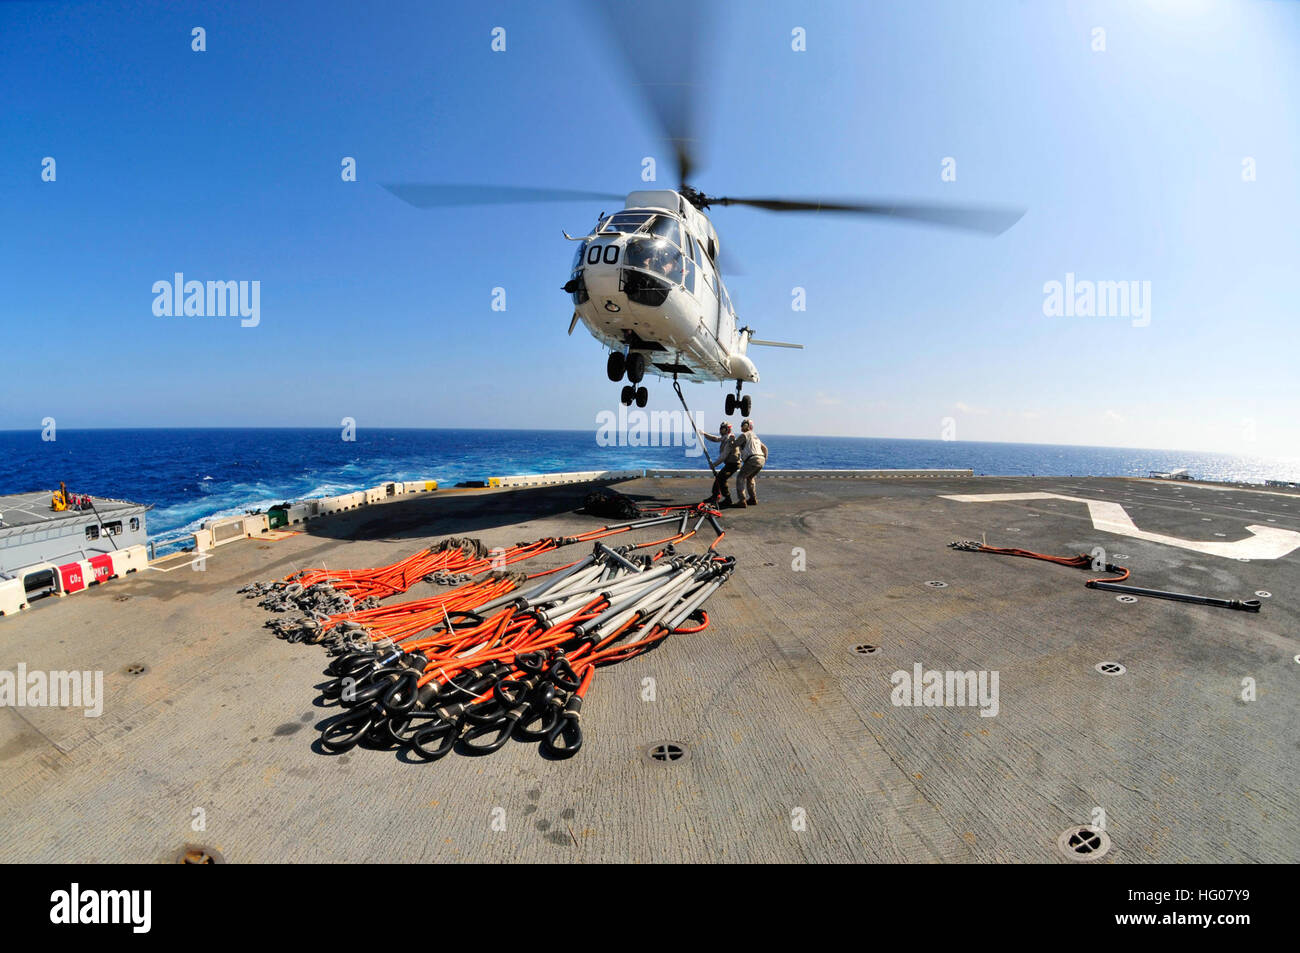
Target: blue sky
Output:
{"points": [[225, 164]]}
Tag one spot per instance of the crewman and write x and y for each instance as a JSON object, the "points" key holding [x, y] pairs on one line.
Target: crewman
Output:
{"points": [[728, 461], [753, 454]]}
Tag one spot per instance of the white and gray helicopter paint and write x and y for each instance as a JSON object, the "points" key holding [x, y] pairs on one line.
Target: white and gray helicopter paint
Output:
{"points": [[645, 283], [646, 280]]}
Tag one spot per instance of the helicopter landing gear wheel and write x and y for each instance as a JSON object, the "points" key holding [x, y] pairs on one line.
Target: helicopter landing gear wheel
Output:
{"points": [[635, 367], [627, 396], [642, 397], [735, 401], [615, 366]]}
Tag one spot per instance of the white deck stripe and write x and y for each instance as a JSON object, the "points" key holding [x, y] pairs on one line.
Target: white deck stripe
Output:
{"points": [[1265, 542]]}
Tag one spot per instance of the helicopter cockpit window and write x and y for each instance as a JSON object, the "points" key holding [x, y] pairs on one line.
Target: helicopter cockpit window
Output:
{"points": [[577, 258], [665, 227], [625, 222], [656, 256]]}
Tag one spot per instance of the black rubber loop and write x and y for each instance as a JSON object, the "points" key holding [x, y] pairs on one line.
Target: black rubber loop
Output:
{"points": [[406, 726], [565, 738], [433, 741], [343, 734], [544, 712], [562, 674], [533, 662], [401, 696], [351, 664], [504, 728], [511, 691], [369, 688], [485, 713]]}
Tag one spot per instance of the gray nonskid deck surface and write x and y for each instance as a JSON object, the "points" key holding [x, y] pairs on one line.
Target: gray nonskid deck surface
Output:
{"points": [[782, 719]]}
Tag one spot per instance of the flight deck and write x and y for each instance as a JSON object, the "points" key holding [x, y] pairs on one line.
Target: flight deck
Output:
{"points": [[797, 726]]}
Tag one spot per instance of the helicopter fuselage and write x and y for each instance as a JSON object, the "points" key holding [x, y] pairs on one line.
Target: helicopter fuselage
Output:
{"points": [[645, 281]]}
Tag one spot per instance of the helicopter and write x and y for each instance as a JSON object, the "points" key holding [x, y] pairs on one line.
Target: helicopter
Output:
{"points": [[646, 284], [646, 281]]}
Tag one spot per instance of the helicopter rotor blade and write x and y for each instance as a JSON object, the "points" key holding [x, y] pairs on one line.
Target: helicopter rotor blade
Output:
{"points": [[991, 220], [429, 195], [664, 62]]}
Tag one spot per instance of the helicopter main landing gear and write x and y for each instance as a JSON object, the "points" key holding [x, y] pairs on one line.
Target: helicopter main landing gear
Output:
{"points": [[615, 366], [633, 365], [735, 401]]}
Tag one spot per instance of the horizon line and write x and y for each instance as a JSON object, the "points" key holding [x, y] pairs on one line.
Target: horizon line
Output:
{"points": [[1020, 443]]}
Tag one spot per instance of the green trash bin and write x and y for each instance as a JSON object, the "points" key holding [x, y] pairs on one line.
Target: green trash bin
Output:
{"points": [[277, 516]]}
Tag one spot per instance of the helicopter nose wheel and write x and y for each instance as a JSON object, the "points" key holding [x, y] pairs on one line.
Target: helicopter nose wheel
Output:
{"points": [[615, 366], [638, 394]]}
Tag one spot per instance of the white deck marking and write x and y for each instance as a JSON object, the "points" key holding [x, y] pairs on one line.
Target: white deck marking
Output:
{"points": [[1221, 489], [1265, 542], [26, 509], [198, 558]]}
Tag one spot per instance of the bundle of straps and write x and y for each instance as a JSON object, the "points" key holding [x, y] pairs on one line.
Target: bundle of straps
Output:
{"points": [[496, 657], [518, 665], [452, 555], [466, 557]]}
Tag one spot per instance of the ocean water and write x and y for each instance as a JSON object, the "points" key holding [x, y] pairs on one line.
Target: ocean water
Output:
{"points": [[192, 475]]}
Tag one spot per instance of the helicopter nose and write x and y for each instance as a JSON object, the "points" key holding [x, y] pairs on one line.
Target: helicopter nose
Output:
{"points": [[603, 287], [604, 255]]}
